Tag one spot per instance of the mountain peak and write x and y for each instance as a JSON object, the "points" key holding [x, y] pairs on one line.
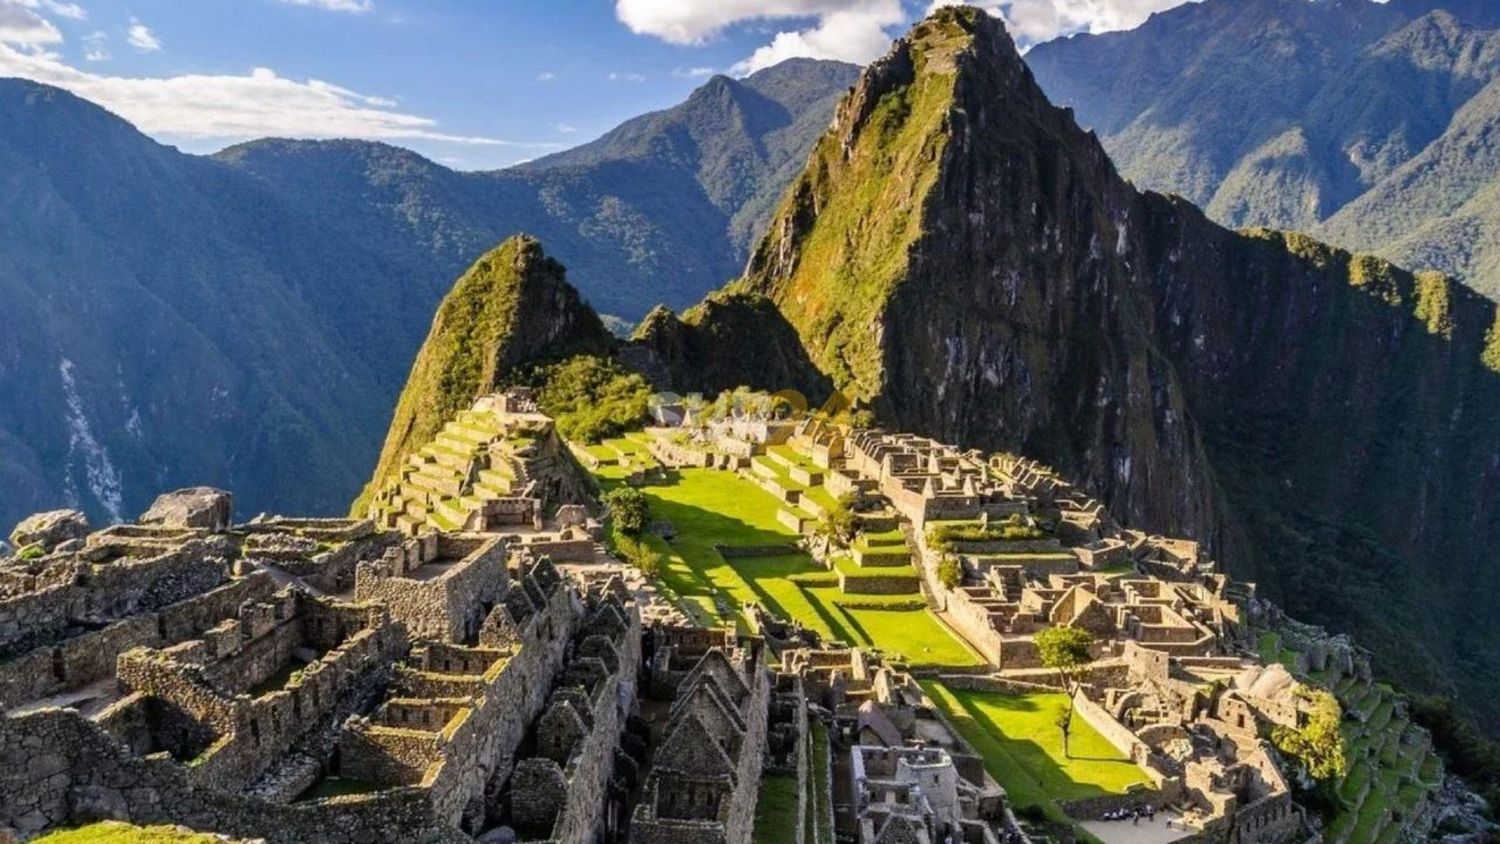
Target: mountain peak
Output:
{"points": [[513, 307]]}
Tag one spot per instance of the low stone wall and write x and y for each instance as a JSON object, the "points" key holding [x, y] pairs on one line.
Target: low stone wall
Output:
{"points": [[64, 770], [879, 584]]}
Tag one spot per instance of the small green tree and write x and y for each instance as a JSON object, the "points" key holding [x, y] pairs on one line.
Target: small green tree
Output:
{"points": [[950, 571], [838, 522], [1318, 744], [1065, 650], [637, 553], [629, 510]]}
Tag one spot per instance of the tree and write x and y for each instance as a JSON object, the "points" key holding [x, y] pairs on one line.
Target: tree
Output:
{"points": [[950, 571], [838, 522], [1318, 744], [1065, 650], [629, 510]]}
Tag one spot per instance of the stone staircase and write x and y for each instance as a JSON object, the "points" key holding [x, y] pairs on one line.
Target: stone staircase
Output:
{"points": [[448, 479]]}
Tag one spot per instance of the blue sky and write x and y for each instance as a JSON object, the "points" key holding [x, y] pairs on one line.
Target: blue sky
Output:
{"points": [[471, 84]]}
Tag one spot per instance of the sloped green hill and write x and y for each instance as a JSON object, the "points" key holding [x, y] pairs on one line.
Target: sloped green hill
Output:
{"points": [[514, 306]]}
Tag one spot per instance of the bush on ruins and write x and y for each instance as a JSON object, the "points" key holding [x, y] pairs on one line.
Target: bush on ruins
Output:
{"points": [[629, 510], [592, 398]]}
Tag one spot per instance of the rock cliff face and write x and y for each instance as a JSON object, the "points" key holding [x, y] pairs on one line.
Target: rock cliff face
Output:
{"points": [[514, 306], [964, 258]]}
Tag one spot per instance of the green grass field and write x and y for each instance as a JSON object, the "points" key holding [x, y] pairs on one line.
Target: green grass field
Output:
{"points": [[776, 810], [708, 507], [1022, 747], [114, 832]]}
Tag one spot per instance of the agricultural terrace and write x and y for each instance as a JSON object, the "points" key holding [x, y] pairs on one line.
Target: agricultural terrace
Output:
{"points": [[709, 508], [1018, 737]]}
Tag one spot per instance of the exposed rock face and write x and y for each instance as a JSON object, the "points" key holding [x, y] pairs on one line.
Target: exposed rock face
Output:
{"points": [[513, 307], [200, 507], [50, 529], [959, 254]]}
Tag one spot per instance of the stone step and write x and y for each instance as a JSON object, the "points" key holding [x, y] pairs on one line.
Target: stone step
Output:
{"points": [[443, 456], [474, 434], [453, 510], [408, 525], [499, 478], [445, 484]]}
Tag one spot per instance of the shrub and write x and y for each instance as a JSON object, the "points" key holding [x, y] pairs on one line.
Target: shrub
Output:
{"points": [[592, 398], [31, 552], [838, 523], [950, 571], [638, 554], [629, 510], [1318, 745], [1012, 528]]}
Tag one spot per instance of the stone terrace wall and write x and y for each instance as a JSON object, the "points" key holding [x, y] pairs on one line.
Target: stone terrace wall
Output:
{"points": [[578, 809], [480, 753], [445, 608], [59, 769], [90, 657]]}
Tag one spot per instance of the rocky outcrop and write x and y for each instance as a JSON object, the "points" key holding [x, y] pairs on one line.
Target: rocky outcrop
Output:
{"points": [[50, 529], [199, 507], [513, 307], [964, 258]]}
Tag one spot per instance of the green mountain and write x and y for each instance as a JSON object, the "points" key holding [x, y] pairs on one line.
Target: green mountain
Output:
{"points": [[1336, 117], [245, 319], [513, 307], [963, 258]]}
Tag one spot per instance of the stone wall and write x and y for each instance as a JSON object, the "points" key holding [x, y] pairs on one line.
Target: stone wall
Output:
{"points": [[59, 769], [446, 607], [90, 657]]}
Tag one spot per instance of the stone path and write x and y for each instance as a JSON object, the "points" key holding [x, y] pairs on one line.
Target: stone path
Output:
{"points": [[1144, 832]]}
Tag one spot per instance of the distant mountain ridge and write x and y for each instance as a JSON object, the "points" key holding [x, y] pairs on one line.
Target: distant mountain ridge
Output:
{"points": [[1336, 117], [246, 319]]}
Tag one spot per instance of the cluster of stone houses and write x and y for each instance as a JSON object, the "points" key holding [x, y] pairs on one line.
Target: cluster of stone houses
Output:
{"points": [[417, 677]]}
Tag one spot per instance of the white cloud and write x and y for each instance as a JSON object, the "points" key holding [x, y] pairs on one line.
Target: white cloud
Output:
{"points": [[355, 6], [226, 108], [22, 26], [625, 77], [1033, 21], [565, 128], [72, 11], [546, 76], [93, 46], [694, 72], [848, 30], [141, 37]]}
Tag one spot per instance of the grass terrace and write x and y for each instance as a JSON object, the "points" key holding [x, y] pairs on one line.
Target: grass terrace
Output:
{"points": [[115, 832], [1018, 737], [776, 810], [709, 508]]}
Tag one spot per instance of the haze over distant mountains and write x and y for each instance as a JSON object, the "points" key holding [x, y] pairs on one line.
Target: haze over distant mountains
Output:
{"points": [[246, 319], [1370, 125]]}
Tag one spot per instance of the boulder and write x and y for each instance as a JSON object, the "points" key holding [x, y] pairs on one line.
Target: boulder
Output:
{"points": [[200, 507], [49, 529]]}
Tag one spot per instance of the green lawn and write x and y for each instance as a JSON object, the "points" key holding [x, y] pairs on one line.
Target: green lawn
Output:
{"points": [[1022, 747], [709, 507], [114, 832], [776, 810], [819, 815]]}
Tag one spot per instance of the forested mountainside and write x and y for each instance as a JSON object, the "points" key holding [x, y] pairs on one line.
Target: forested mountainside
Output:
{"points": [[960, 255], [1366, 124], [246, 319]]}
